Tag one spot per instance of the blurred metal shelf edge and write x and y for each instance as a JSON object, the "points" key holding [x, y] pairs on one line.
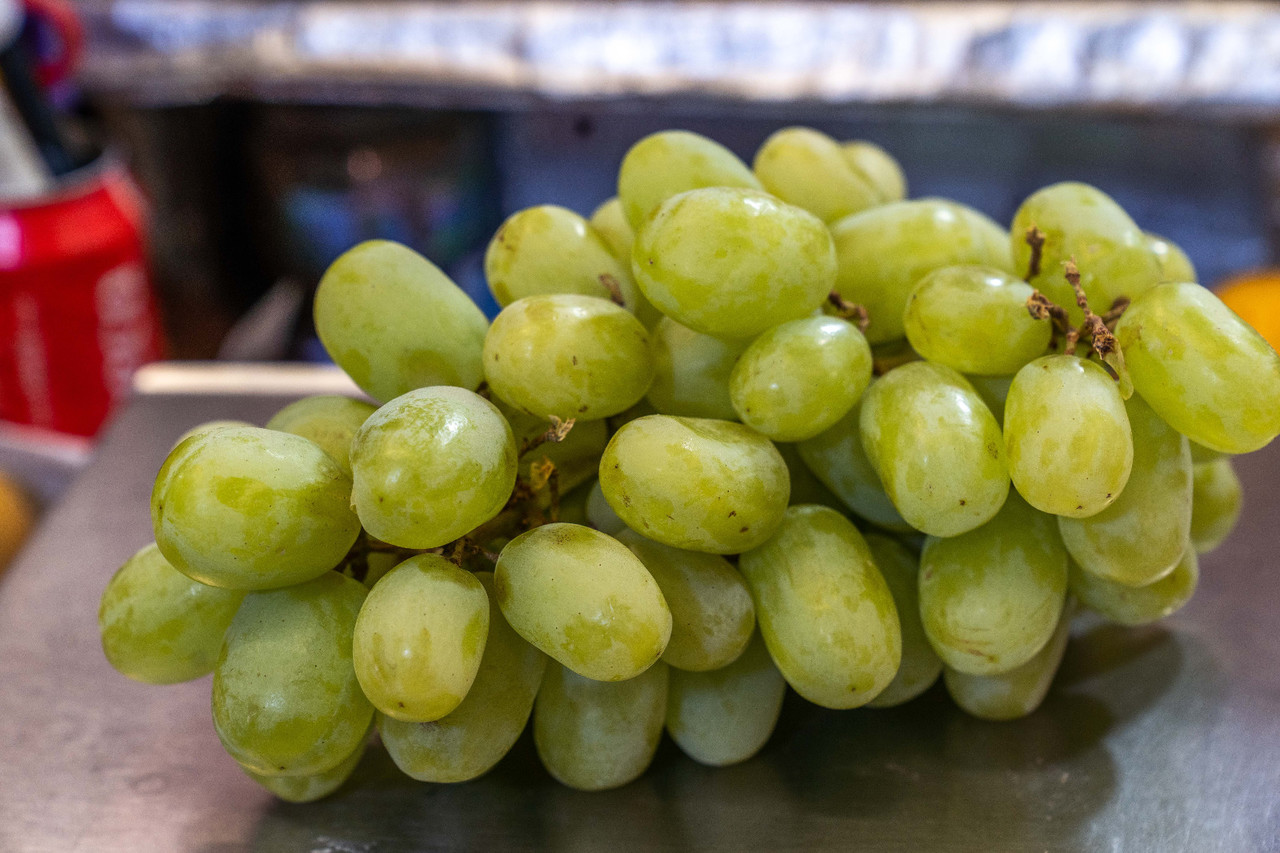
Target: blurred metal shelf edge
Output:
{"points": [[1211, 57]]}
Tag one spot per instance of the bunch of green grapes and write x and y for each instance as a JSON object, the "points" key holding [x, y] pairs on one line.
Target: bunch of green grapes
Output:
{"points": [[744, 428]]}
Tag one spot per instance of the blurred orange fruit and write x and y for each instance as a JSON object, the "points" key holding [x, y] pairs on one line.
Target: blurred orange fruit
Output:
{"points": [[17, 516], [1255, 296]]}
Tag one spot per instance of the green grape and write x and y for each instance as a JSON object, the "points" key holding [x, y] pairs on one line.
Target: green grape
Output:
{"points": [[330, 421], [807, 168], [251, 508], [478, 733], [1067, 436], [670, 162], [974, 319], [993, 390], [1202, 368], [596, 735], [376, 566], [547, 250], [1201, 454], [1140, 605], [1173, 262], [639, 410], [725, 716], [430, 466], [208, 426], [419, 639], [704, 485], [877, 167], [936, 448], [691, 372], [712, 616], [806, 488], [394, 322], [1083, 224], [576, 456], [825, 611], [733, 262], [573, 506], [569, 356], [610, 222], [580, 596], [1019, 691], [158, 625], [1140, 538], [799, 378], [881, 253], [310, 787], [600, 515], [920, 665], [1215, 504], [286, 701], [990, 598], [837, 458]]}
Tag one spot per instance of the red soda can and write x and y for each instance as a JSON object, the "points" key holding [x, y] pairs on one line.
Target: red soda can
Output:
{"points": [[77, 309]]}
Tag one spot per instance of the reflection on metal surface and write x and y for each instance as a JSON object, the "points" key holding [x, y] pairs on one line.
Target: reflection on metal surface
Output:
{"points": [[245, 379], [1223, 56]]}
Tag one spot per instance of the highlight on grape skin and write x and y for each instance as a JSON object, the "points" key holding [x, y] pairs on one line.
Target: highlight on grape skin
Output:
{"points": [[744, 430]]}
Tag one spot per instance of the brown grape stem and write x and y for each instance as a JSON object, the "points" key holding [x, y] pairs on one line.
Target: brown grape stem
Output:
{"points": [[615, 290], [1096, 328], [851, 311], [557, 432], [1035, 239]]}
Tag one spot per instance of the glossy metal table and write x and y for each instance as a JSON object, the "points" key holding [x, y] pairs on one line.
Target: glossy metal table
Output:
{"points": [[1157, 739]]}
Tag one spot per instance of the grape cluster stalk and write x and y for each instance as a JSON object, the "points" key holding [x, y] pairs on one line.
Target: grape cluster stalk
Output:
{"points": [[745, 429]]}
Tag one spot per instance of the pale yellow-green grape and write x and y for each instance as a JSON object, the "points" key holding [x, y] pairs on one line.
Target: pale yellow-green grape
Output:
{"points": [[920, 665], [639, 410], [1138, 605], [1215, 504], [733, 262], [799, 378], [807, 168], [419, 638], [936, 448], [1202, 368], [330, 420], [1019, 691], [691, 372], [726, 715], [479, 732], [576, 456], [1201, 454], [1142, 535], [583, 598], [573, 506], [1173, 262], [990, 598], [993, 390], [974, 319], [394, 322], [377, 564], [882, 252], [878, 167], [310, 787], [208, 426], [600, 515], [1067, 437], [694, 483], [670, 162], [712, 616], [251, 508], [836, 457], [549, 249], [569, 356], [824, 609], [158, 625], [610, 221], [1084, 224], [430, 466], [596, 735], [806, 488], [286, 701]]}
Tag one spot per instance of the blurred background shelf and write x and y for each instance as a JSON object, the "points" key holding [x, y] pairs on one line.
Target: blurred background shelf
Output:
{"points": [[1209, 58]]}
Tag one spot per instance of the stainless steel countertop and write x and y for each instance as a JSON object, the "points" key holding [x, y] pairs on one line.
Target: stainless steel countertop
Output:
{"points": [[1165, 738]]}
